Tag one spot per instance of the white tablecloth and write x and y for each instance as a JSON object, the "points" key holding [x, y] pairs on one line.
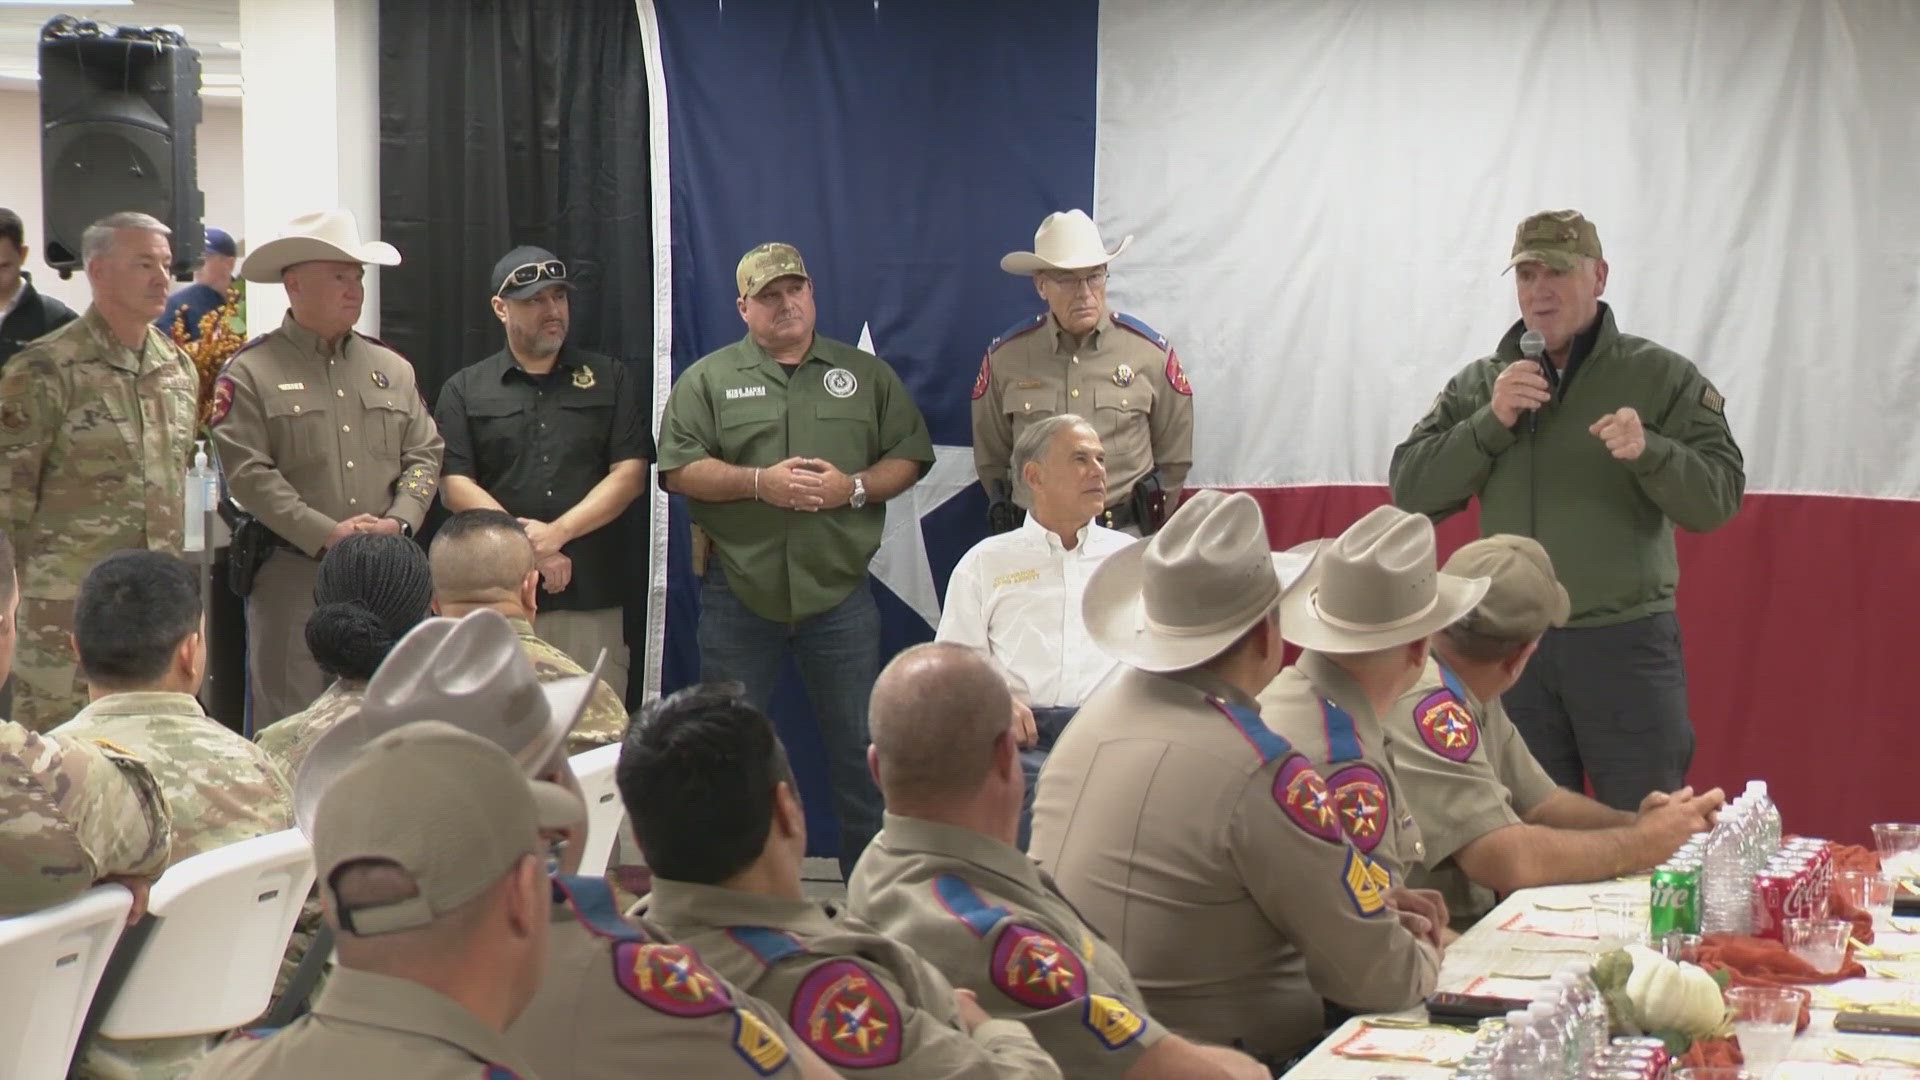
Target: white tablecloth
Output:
{"points": [[1536, 931]]}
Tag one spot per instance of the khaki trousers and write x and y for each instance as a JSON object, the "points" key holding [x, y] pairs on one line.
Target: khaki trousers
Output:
{"points": [[282, 678]]}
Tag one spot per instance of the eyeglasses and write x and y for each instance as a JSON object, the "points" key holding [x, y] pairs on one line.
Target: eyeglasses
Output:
{"points": [[1073, 283], [550, 270]]}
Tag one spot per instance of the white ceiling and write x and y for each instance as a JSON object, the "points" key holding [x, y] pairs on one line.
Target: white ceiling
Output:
{"points": [[206, 23]]}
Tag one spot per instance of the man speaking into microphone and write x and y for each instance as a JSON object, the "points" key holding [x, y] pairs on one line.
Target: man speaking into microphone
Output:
{"points": [[1597, 449]]}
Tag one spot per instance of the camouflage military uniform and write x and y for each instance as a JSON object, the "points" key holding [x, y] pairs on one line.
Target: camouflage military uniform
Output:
{"points": [[288, 741], [71, 813], [94, 444], [604, 719], [220, 789]]}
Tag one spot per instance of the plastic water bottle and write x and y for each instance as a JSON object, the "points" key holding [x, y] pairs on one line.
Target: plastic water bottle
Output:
{"points": [[203, 492], [1726, 875], [1518, 1057], [1552, 1057], [1578, 1010], [1768, 816]]}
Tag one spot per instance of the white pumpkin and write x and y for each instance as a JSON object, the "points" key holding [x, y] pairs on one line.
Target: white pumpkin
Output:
{"points": [[1673, 997]]}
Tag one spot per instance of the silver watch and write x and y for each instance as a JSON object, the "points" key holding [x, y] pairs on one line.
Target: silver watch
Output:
{"points": [[859, 497]]}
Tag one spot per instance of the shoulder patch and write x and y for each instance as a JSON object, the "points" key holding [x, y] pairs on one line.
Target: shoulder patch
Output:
{"points": [[1035, 970], [1121, 318], [1111, 1020], [984, 379], [1177, 378], [1711, 400], [1445, 725], [593, 904], [1266, 742], [1300, 791], [222, 401], [758, 1044], [1014, 331], [1367, 883], [669, 979], [767, 945], [965, 904], [1360, 797], [847, 1017]]}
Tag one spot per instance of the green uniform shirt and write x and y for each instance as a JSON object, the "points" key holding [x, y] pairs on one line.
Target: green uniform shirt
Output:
{"points": [[740, 406], [1607, 524]]}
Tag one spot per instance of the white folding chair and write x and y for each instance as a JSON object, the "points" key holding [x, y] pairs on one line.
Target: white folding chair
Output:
{"points": [[221, 922], [50, 964], [605, 814]]}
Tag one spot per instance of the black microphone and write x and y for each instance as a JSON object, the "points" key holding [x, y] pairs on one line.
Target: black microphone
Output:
{"points": [[1533, 346]]}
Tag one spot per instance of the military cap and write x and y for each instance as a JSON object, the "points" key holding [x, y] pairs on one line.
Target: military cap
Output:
{"points": [[765, 263], [1555, 237], [1523, 599]]}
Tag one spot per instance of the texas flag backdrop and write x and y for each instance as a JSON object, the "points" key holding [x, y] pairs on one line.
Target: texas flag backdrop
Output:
{"points": [[1323, 193]]}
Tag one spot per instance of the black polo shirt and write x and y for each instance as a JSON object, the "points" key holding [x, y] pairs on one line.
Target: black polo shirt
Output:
{"points": [[539, 443]]}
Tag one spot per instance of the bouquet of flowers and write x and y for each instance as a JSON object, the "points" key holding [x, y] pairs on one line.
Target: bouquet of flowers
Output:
{"points": [[216, 343]]}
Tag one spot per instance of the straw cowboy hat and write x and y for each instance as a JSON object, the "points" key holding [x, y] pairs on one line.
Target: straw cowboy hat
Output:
{"points": [[331, 235], [1375, 586], [470, 672], [1065, 240], [1182, 596]]}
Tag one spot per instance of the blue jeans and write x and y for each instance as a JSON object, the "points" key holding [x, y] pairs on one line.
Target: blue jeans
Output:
{"points": [[1050, 721], [838, 653]]}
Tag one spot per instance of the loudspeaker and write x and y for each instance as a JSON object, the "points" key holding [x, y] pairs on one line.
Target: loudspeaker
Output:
{"points": [[119, 109]]}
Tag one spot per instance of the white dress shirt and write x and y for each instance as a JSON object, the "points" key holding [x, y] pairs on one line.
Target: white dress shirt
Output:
{"points": [[1017, 595]]}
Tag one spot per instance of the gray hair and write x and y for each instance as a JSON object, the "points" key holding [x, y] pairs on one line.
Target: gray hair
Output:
{"points": [[99, 237], [1032, 444]]}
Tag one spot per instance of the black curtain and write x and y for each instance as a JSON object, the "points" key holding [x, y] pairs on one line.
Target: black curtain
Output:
{"points": [[506, 122]]}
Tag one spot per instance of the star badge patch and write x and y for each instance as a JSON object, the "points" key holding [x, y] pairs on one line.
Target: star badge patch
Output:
{"points": [[1111, 1020], [1360, 797], [1035, 970], [1446, 726], [1304, 796], [981, 380], [222, 400], [1177, 378], [583, 378], [380, 380], [847, 1016], [1367, 883], [669, 978]]}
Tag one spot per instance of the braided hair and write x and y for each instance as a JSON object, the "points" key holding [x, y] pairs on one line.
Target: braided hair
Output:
{"points": [[371, 590]]}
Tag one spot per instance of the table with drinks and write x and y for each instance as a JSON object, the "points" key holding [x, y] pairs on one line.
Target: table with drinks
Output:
{"points": [[1539, 945]]}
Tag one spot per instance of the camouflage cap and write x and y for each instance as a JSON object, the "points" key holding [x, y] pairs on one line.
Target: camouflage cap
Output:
{"points": [[450, 808], [1524, 598], [765, 263], [1555, 237]]}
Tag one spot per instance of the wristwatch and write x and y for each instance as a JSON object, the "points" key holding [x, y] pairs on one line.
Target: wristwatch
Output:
{"points": [[859, 497], [406, 530]]}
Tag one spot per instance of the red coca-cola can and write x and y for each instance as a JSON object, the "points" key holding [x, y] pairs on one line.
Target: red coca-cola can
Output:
{"points": [[1772, 902], [1645, 1047], [1821, 853]]}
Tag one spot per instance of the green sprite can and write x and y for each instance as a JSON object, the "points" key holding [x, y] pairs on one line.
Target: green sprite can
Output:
{"points": [[1676, 901]]}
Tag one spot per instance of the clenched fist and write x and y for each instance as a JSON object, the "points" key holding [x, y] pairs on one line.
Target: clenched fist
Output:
{"points": [[1621, 431], [1520, 387]]}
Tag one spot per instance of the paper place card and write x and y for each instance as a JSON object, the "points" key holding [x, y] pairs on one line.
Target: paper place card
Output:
{"points": [[1431, 1046], [1565, 924]]}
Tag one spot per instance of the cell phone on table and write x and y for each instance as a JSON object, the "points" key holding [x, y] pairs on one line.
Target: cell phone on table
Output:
{"points": [[1467, 1010], [1873, 1023]]}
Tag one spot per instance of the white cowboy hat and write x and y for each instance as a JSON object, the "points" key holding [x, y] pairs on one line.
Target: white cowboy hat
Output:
{"points": [[1375, 586], [1182, 596], [470, 672], [1065, 240], [332, 235]]}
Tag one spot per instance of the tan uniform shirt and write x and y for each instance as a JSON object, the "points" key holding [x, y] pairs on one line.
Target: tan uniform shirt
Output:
{"points": [[1316, 706], [992, 922], [603, 721], [368, 1026], [310, 437], [1465, 772], [71, 813], [617, 1000], [865, 1003], [1206, 848], [1124, 379]]}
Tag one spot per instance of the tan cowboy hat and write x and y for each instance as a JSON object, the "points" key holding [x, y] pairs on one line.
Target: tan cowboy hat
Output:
{"points": [[331, 235], [1065, 240], [470, 672], [1182, 596], [1375, 586]]}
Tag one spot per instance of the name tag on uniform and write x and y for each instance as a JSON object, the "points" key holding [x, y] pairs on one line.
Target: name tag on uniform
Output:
{"points": [[1028, 384], [1018, 577], [745, 392], [293, 386]]}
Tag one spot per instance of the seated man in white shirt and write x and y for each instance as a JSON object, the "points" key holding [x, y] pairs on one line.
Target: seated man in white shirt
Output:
{"points": [[1016, 596]]}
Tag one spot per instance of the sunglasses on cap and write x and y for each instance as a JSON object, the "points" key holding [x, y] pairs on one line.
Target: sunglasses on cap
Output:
{"points": [[528, 273]]}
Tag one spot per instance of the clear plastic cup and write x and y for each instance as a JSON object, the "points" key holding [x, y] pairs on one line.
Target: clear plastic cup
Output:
{"points": [[1715, 1072], [1764, 1019], [1619, 919], [1820, 942], [1868, 892], [1899, 846]]}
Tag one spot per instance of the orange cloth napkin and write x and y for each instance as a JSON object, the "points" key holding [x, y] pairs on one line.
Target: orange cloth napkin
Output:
{"points": [[1711, 1052]]}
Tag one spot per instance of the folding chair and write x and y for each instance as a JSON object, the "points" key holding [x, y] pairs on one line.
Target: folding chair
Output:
{"points": [[605, 814], [50, 965]]}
